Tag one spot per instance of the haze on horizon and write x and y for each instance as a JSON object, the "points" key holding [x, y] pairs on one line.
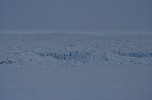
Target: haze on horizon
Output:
{"points": [[76, 15]]}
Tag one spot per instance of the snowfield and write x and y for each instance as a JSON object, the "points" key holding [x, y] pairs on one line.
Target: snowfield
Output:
{"points": [[75, 67]]}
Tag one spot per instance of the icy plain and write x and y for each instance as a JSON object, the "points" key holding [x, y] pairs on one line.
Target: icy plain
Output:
{"points": [[75, 67]]}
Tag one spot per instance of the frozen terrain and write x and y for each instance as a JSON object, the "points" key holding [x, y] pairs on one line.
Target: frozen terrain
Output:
{"points": [[75, 67]]}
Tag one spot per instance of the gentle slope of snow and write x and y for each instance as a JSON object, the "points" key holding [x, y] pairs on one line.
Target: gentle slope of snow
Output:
{"points": [[75, 67]]}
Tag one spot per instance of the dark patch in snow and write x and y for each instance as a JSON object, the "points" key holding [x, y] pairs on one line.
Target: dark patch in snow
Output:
{"points": [[81, 56], [7, 62], [74, 57], [134, 54]]}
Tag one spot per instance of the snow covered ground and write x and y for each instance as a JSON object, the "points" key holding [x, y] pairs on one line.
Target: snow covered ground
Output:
{"points": [[75, 67]]}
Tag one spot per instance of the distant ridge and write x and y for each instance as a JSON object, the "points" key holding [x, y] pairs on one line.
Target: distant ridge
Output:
{"points": [[77, 32]]}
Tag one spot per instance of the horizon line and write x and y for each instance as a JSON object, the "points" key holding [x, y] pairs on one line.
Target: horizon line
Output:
{"points": [[110, 32]]}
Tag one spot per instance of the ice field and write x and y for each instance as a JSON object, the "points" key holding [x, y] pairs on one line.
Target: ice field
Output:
{"points": [[75, 67]]}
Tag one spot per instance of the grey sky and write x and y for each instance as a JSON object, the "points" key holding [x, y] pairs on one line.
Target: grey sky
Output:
{"points": [[76, 15]]}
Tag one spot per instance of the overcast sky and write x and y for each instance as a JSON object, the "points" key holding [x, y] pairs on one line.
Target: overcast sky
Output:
{"points": [[76, 15]]}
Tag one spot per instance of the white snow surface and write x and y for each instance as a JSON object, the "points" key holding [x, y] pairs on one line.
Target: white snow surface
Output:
{"points": [[75, 67]]}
